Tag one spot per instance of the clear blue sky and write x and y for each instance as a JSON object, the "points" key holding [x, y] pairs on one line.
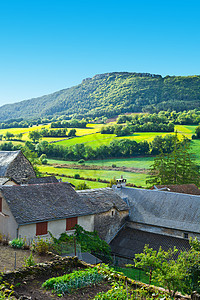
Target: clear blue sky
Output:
{"points": [[51, 45]]}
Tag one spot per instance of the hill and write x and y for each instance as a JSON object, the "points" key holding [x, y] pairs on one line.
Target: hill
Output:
{"points": [[111, 94]]}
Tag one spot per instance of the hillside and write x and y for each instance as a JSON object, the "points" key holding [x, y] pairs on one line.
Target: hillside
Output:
{"points": [[111, 94]]}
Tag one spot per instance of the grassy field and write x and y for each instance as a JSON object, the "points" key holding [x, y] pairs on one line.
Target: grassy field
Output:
{"points": [[135, 178], [97, 139], [90, 184]]}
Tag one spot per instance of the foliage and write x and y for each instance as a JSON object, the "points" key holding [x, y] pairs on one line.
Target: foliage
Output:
{"points": [[17, 243], [177, 167], [6, 291], [69, 282], [112, 182], [70, 124], [41, 246], [91, 242], [82, 186], [112, 94], [117, 292], [29, 261], [76, 176], [35, 136]]}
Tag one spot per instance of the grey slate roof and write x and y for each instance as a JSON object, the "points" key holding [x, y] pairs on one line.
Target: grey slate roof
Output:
{"points": [[131, 241], [3, 180], [40, 180], [42, 202], [163, 209], [102, 200], [6, 158]]}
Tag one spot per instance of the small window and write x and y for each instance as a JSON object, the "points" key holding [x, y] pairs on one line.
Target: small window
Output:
{"points": [[41, 228], [70, 223], [113, 213], [0, 204], [185, 235]]}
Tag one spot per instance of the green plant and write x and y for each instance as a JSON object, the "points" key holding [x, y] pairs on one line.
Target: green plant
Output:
{"points": [[76, 176], [29, 261], [40, 246], [69, 282], [81, 161], [6, 291], [17, 243]]}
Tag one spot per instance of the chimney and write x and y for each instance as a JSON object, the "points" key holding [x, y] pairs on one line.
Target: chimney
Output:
{"points": [[121, 182]]}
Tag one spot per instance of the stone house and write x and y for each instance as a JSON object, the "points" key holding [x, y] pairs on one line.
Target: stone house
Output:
{"points": [[13, 164], [158, 218], [33, 210]]}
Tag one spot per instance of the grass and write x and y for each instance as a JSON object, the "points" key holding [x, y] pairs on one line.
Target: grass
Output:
{"points": [[136, 162], [135, 178], [91, 184], [136, 274]]}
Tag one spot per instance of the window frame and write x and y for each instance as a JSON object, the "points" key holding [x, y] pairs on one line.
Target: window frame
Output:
{"points": [[41, 228], [71, 223]]}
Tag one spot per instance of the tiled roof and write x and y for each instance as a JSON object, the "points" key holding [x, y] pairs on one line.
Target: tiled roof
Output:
{"points": [[6, 157], [163, 209], [180, 188], [130, 241], [3, 180], [102, 200], [42, 202], [39, 180]]}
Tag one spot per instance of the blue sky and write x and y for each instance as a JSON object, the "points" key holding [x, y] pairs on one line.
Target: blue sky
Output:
{"points": [[51, 45]]}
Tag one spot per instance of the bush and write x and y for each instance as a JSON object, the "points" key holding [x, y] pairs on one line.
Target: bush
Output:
{"points": [[29, 261], [82, 186], [81, 161], [76, 176], [41, 246], [17, 243], [114, 166]]}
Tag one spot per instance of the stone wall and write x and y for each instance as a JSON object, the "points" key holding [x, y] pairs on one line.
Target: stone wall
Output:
{"points": [[20, 168], [107, 224], [58, 265]]}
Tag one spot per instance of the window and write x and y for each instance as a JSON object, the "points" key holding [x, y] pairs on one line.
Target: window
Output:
{"points": [[70, 223], [41, 228], [185, 235], [0, 204]]}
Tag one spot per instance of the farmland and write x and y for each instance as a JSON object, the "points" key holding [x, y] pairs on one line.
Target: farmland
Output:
{"points": [[92, 137]]}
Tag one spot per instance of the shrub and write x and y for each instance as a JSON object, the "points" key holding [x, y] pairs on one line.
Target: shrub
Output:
{"points": [[76, 176], [82, 186], [29, 261], [41, 246], [114, 166], [17, 243], [81, 161]]}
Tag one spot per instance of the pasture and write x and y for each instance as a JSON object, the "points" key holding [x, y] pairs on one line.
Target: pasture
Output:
{"points": [[134, 178]]}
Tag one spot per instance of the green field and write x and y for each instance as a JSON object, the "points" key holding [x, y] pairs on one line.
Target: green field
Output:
{"points": [[135, 178], [90, 184], [98, 139]]}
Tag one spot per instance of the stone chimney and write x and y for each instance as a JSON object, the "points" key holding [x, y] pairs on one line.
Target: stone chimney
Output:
{"points": [[121, 182]]}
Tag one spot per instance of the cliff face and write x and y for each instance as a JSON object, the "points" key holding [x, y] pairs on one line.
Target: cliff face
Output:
{"points": [[111, 94]]}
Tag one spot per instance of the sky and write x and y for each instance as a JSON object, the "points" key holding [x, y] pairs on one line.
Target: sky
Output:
{"points": [[46, 45]]}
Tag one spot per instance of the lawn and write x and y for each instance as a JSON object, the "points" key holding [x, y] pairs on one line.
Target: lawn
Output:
{"points": [[90, 184], [134, 178]]}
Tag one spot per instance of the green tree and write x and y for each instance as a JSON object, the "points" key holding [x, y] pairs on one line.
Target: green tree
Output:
{"points": [[82, 186], [35, 136], [197, 131], [72, 132], [178, 167], [8, 135]]}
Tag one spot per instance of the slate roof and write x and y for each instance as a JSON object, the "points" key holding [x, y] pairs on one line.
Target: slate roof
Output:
{"points": [[102, 200], [40, 180], [181, 188], [43, 202], [163, 209], [3, 180], [131, 241], [6, 158]]}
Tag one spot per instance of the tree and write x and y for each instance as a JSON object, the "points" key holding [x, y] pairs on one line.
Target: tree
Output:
{"points": [[178, 167], [82, 186], [35, 136], [72, 132], [8, 135]]}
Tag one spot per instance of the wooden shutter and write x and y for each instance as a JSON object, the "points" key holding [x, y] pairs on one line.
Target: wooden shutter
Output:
{"points": [[70, 223], [41, 228], [0, 204]]}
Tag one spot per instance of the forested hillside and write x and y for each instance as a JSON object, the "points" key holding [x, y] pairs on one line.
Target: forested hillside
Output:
{"points": [[111, 94]]}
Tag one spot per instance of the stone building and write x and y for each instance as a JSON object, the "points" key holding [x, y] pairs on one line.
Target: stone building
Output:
{"points": [[13, 164], [158, 218], [34, 209]]}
